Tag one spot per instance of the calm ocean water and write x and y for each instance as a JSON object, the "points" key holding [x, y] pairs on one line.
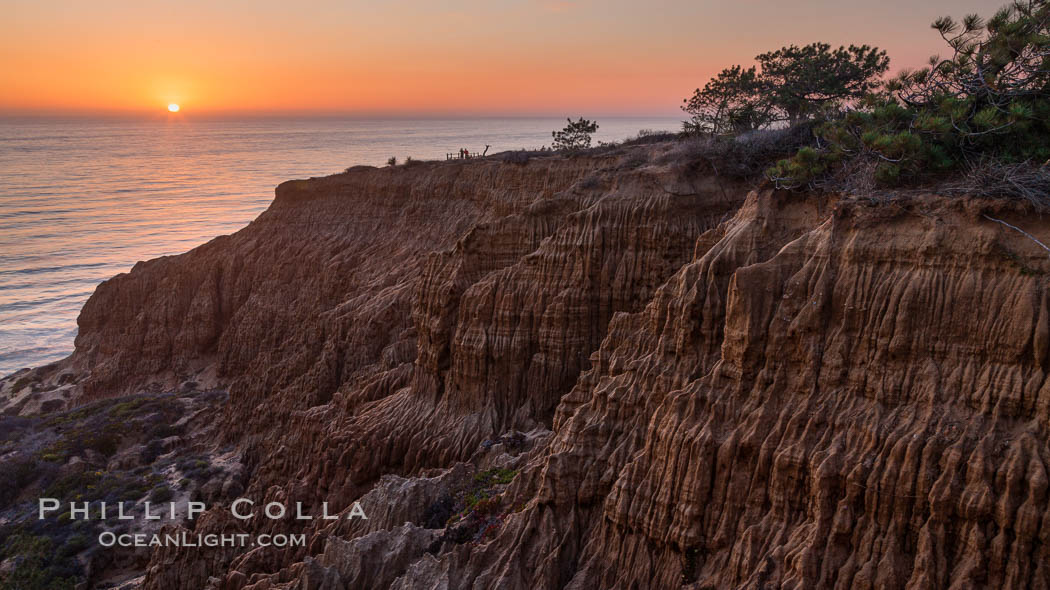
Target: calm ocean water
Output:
{"points": [[82, 200]]}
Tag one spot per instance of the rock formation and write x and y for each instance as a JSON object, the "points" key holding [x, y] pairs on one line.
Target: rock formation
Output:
{"points": [[616, 371]]}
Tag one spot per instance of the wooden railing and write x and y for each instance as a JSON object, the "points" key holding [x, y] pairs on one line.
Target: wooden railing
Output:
{"points": [[465, 154]]}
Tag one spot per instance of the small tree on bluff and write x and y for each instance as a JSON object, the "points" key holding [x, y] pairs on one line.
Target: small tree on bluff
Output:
{"points": [[574, 136], [804, 80], [732, 102]]}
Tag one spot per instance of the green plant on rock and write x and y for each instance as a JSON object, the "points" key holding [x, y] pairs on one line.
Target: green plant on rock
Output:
{"points": [[475, 497], [803, 168], [497, 476]]}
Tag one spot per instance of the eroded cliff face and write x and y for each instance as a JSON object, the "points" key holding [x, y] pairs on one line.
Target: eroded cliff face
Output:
{"points": [[872, 418], [718, 389]]}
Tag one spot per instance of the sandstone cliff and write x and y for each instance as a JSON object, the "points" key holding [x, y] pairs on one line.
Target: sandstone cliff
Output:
{"points": [[654, 377]]}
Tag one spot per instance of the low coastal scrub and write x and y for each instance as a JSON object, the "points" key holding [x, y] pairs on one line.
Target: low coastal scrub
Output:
{"points": [[740, 156], [39, 562], [121, 450]]}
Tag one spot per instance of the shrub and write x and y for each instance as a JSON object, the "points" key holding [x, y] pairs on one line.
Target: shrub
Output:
{"points": [[38, 567], [161, 494], [745, 156], [71, 486], [150, 452], [74, 545], [650, 136], [495, 476], [198, 470], [475, 497], [15, 474], [163, 430], [392, 161], [127, 408], [105, 442]]}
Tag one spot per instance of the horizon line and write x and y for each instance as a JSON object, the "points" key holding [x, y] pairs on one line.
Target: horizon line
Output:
{"points": [[364, 115]]}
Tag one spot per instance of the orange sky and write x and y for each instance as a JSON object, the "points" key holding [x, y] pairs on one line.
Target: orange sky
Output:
{"points": [[400, 57]]}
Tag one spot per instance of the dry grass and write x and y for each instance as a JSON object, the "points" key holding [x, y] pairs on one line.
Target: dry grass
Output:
{"points": [[1025, 181], [745, 156]]}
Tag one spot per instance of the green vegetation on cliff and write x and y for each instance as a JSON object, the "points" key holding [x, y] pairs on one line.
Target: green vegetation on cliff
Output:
{"points": [[984, 109]]}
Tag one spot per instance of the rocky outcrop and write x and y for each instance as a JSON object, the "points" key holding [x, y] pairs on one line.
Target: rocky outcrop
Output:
{"points": [[374, 560], [741, 390]]}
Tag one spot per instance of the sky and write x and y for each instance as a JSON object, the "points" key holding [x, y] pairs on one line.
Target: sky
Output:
{"points": [[399, 57]]}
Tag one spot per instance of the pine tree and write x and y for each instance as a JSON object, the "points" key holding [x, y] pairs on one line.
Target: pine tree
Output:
{"points": [[574, 136]]}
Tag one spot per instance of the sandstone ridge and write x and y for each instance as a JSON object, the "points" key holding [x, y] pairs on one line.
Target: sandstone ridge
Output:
{"points": [[610, 371]]}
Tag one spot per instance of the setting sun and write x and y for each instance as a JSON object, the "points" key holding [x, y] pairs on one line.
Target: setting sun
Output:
{"points": [[173, 107]]}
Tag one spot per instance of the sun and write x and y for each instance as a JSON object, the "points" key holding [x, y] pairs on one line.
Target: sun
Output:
{"points": [[173, 107]]}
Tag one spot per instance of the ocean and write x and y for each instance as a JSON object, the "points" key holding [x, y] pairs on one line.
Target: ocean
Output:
{"points": [[84, 199]]}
